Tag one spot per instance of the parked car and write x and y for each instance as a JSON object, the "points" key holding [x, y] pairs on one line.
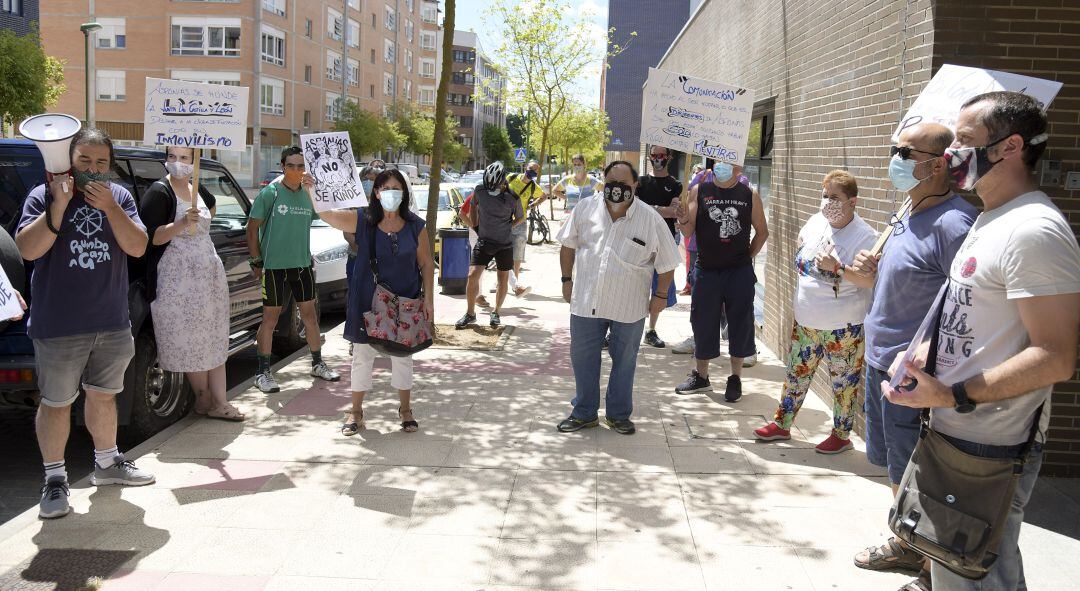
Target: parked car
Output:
{"points": [[152, 398], [269, 177], [331, 255], [409, 170], [450, 201]]}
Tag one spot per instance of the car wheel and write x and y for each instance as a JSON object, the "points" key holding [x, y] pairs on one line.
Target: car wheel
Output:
{"points": [[159, 398]]}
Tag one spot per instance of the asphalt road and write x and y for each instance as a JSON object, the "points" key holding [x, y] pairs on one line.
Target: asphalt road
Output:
{"points": [[20, 463]]}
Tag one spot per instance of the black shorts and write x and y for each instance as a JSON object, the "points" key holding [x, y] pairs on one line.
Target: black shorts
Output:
{"points": [[278, 283], [482, 254], [716, 292]]}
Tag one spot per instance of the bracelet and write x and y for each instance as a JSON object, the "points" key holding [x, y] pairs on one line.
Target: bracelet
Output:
{"points": [[48, 221], [660, 297]]}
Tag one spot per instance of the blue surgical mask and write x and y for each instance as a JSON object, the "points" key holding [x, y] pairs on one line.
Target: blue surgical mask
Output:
{"points": [[723, 171], [902, 174], [367, 184], [390, 199]]}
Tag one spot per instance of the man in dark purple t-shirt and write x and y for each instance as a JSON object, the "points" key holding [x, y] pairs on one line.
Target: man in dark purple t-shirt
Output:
{"points": [[79, 231]]}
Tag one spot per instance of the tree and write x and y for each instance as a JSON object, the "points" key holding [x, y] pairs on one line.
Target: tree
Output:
{"points": [[497, 144], [442, 122], [516, 128], [535, 54], [580, 129], [33, 81], [368, 132]]}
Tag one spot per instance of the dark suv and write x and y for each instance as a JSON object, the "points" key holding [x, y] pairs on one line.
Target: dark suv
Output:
{"points": [[152, 398]]}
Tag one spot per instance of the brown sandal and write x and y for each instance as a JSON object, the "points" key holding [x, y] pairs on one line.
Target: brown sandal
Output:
{"points": [[889, 556], [227, 412]]}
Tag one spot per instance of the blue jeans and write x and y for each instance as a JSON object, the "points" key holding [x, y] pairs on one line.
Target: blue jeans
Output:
{"points": [[586, 349], [892, 430], [1007, 574]]}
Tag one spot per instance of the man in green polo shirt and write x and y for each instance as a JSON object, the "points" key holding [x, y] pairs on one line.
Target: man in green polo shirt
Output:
{"points": [[279, 240]]}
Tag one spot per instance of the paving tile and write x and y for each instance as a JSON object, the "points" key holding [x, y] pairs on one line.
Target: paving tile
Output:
{"points": [[289, 509], [364, 513], [239, 475], [546, 564], [761, 568], [662, 522], [831, 568], [453, 559], [626, 565], [154, 549], [722, 458], [362, 556], [636, 487], [789, 490], [767, 459], [550, 519], [318, 583], [212, 582], [634, 459], [128, 580], [458, 516], [551, 485], [233, 551]]}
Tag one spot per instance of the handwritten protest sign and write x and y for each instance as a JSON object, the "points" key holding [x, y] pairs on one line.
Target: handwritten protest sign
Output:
{"points": [[953, 85], [329, 159], [697, 116], [193, 115], [9, 302]]}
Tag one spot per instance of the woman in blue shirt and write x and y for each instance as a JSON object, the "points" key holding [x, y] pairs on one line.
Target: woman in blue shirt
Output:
{"points": [[406, 267]]}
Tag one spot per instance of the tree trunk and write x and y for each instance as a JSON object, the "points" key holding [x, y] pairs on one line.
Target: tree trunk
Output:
{"points": [[440, 123]]}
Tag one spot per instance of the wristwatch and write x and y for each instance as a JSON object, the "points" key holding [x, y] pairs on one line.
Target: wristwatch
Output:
{"points": [[566, 279], [255, 262], [841, 270], [964, 404]]}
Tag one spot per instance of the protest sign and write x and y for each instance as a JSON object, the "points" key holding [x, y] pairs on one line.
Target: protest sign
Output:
{"points": [[193, 115], [329, 159], [953, 85], [696, 116], [9, 302]]}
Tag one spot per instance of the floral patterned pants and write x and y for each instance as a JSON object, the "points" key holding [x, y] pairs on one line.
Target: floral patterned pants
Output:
{"points": [[842, 350]]}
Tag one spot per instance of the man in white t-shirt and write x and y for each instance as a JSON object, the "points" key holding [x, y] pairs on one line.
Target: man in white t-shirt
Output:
{"points": [[1010, 323]]}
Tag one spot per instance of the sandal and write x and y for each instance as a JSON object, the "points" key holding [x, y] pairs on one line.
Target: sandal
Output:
{"points": [[890, 555], [227, 412], [920, 584], [409, 426], [352, 428]]}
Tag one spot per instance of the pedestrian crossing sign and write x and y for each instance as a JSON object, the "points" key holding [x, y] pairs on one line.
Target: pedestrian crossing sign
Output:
{"points": [[519, 154]]}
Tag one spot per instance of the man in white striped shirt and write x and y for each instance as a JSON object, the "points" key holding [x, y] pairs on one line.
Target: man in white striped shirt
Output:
{"points": [[615, 242]]}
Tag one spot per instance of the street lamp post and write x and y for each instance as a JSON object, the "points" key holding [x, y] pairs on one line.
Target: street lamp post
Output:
{"points": [[86, 29]]}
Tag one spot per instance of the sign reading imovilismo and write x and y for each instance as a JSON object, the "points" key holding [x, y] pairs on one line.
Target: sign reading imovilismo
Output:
{"points": [[696, 116], [192, 115]]}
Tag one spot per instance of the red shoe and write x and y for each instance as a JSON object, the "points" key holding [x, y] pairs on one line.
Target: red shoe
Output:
{"points": [[833, 445], [772, 432]]}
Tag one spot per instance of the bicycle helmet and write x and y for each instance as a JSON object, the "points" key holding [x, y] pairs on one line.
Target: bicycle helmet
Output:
{"points": [[494, 176]]}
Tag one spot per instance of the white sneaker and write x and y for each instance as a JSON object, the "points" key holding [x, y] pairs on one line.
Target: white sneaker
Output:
{"points": [[750, 361], [266, 383], [522, 290], [321, 371], [684, 348]]}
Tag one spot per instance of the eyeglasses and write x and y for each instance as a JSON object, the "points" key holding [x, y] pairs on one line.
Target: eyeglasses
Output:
{"points": [[905, 152], [393, 242], [897, 224]]}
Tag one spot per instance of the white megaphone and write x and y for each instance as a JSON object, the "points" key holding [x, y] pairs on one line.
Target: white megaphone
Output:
{"points": [[52, 133]]}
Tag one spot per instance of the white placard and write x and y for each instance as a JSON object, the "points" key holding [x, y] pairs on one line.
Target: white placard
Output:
{"points": [[193, 115], [9, 302], [953, 85], [696, 116], [329, 158]]}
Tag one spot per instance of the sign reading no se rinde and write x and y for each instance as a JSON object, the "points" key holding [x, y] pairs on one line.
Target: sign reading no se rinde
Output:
{"points": [[696, 116], [953, 85], [329, 159], [193, 115]]}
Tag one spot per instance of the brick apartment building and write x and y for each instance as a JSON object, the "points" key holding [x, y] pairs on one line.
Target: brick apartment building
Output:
{"points": [[832, 79], [473, 74], [297, 57], [18, 15]]}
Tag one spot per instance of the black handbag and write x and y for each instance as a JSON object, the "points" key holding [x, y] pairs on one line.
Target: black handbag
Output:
{"points": [[952, 506]]}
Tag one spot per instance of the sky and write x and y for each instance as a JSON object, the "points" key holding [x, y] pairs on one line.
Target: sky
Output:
{"points": [[470, 16]]}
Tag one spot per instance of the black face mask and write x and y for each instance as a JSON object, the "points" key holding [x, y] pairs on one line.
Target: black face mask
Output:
{"points": [[659, 163], [617, 192]]}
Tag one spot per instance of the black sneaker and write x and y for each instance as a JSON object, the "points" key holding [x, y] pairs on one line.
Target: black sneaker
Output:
{"points": [[694, 383], [734, 389], [465, 320], [622, 427], [571, 424], [651, 338], [495, 320]]}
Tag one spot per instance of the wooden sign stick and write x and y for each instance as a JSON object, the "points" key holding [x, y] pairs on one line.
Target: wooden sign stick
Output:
{"points": [[905, 208], [197, 156]]}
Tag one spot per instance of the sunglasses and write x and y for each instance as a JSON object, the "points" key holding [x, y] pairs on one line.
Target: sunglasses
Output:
{"points": [[905, 152]]}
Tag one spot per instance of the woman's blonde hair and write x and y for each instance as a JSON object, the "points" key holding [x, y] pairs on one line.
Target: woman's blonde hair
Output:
{"points": [[845, 180]]}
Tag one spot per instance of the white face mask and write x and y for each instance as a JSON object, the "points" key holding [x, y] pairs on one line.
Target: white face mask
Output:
{"points": [[179, 170], [832, 209], [390, 199], [578, 169]]}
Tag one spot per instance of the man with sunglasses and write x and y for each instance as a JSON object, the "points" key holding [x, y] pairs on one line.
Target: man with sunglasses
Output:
{"points": [[661, 191], [909, 273]]}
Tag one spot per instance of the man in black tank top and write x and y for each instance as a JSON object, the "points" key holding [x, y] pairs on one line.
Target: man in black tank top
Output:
{"points": [[722, 213]]}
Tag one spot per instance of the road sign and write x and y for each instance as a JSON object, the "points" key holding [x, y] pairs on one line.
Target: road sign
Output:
{"points": [[519, 154]]}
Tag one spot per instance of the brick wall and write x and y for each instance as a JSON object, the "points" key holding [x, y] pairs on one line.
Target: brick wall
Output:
{"points": [[842, 73], [20, 23], [1039, 38]]}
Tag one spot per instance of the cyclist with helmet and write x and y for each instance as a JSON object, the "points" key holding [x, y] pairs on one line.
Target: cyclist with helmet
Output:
{"points": [[495, 211]]}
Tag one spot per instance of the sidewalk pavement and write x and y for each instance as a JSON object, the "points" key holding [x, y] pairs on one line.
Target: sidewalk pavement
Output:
{"points": [[488, 495]]}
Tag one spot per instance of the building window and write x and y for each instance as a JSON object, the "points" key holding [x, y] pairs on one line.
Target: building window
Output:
{"points": [[409, 31], [390, 22], [429, 12], [206, 36], [427, 41], [389, 87], [333, 106], [273, 46], [307, 119], [459, 100], [333, 66], [307, 28], [354, 73], [373, 55], [464, 78], [275, 6], [371, 91], [466, 121], [427, 96], [12, 7], [409, 5], [354, 33], [307, 74], [407, 89], [354, 4], [466, 141], [112, 34], [215, 77], [373, 20], [110, 85], [408, 61], [333, 24], [389, 51], [272, 96], [427, 68]]}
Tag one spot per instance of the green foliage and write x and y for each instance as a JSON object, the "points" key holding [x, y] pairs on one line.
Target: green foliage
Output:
{"points": [[516, 126], [33, 81], [369, 132], [497, 144], [580, 129]]}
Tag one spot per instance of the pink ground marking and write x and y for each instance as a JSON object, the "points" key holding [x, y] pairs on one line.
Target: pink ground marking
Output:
{"points": [[242, 475], [128, 580], [208, 582]]}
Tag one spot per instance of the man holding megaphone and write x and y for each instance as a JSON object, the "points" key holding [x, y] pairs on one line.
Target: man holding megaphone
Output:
{"points": [[79, 230]]}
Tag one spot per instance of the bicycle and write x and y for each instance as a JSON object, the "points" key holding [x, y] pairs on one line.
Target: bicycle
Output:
{"points": [[537, 227]]}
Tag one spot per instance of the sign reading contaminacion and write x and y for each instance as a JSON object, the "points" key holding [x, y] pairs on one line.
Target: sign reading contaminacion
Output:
{"points": [[193, 115], [696, 116]]}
